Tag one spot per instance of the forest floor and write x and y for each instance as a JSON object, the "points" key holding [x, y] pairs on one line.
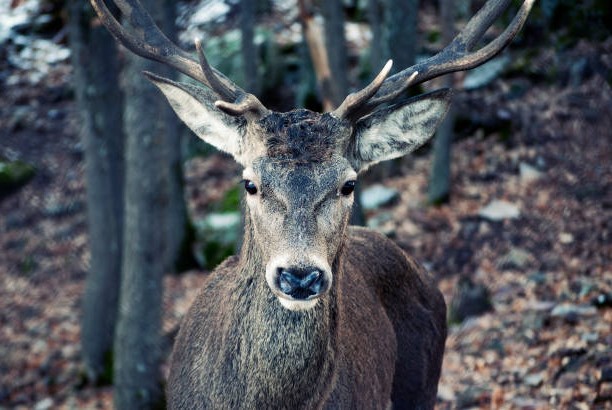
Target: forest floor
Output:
{"points": [[546, 343]]}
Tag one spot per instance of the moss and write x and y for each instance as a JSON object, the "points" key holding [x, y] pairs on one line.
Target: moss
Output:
{"points": [[106, 377], [27, 265], [14, 175], [230, 201], [215, 252], [433, 36], [185, 259]]}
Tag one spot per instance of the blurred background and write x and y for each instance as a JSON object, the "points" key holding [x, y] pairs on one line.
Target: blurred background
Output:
{"points": [[108, 204]]}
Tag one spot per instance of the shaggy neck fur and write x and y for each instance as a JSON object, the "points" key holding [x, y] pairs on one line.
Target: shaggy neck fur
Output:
{"points": [[289, 357]]}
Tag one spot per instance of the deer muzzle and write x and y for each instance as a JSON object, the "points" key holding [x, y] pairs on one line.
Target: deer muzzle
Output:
{"points": [[298, 284]]}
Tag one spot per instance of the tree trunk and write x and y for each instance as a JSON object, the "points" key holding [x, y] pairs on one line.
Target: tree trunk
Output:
{"points": [[314, 37], [150, 174], [335, 47], [401, 19], [440, 179], [335, 43], [249, 50], [377, 46], [178, 253], [96, 70]]}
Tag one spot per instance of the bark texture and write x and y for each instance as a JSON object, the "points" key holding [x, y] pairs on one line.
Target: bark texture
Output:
{"points": [[96, 70], [248, 48], [401, 18], [335, 43], [151, 175], [440, 178]]}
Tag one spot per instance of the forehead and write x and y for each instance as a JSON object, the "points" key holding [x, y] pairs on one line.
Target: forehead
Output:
{"points": [[301, 136], [293, 175]]}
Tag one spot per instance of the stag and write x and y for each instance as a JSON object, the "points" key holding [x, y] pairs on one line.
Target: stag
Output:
{"points": [[313, 313]]}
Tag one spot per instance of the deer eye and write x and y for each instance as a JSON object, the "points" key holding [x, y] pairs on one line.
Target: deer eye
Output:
{"points": [[250, 187], [348, 187]]}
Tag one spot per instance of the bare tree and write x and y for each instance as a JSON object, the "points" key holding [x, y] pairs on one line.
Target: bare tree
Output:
{"points": [[440, 178], [95, 67], [249, 50], [152, 171], [280, 303], [335, 44], [376, 16], [400, 31]]}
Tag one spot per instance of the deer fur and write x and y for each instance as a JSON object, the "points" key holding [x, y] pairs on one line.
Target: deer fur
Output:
{"points": [[375, 338], [313, 313]]}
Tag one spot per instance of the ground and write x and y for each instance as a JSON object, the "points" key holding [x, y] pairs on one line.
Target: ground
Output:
{"points": [[544, 345]]}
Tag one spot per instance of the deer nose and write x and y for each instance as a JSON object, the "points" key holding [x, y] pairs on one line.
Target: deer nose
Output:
{"points": [[301, 283]]}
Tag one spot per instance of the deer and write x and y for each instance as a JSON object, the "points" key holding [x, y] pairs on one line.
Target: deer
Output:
{"points": [[312, 312]]}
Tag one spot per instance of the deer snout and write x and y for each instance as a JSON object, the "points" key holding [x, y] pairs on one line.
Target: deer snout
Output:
{"points": [[298, 284], [301, 283]]}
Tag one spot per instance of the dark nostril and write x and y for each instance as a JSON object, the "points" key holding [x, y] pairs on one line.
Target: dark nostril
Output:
{"points": [[300, 283], [311, 278], [288, 281]]}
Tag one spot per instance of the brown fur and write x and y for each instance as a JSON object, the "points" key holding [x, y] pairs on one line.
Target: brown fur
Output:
{"points": [[378, 336], [300, 135]]}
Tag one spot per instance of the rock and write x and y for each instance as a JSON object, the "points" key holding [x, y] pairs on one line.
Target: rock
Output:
{"points": [[603, 300], [516, 258], [538, 278], [534, 380], [377, 196], [218, 235], [44, 404], [446, 393], [209, 12], [14, 175], [469, 300], [572, 313], [529, 173], [499, 210], [383, 223], [486, 73], [60, 207], [473, 396], [222, 221], [20, 117]]}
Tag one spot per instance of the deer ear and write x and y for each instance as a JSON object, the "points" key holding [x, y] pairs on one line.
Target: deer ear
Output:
{"points": [[196, 107], [397, 130]]}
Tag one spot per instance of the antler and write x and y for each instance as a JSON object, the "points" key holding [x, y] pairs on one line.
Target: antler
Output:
{"points": [[456, 56], [148, 41]]}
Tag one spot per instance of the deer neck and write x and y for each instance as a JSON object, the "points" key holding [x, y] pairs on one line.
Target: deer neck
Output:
{"points": [[287, 354]]}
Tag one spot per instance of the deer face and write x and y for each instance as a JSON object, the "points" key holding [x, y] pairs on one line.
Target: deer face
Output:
{"points": [[300, 169], [299, 196], [299, 212]]}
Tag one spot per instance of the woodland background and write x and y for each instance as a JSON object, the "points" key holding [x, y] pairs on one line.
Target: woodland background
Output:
{"points": [[519, 235]]}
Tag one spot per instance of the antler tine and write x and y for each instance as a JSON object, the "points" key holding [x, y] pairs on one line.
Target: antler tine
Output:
{"points": [[216, 84], [456, 56], [355, 100], [157, 46], [249, 104]]}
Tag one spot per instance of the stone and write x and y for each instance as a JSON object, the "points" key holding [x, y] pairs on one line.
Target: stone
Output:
{"points": [[572, 313], [44, 404], [534, 380], [376, 196], [516, 258], [529, 173], [486, 73], [14, 175], [498, 210], [218, 235]]}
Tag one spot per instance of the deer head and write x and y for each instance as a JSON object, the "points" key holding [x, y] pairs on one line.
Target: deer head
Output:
{"points": [[300, 167]]}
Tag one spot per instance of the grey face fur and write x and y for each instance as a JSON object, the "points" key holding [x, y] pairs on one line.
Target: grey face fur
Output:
{"points": [[298, 162], [299, 215]]}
